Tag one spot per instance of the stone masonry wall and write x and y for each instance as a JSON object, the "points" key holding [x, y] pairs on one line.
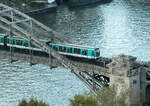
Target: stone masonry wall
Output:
{"points": [[128, 74]]}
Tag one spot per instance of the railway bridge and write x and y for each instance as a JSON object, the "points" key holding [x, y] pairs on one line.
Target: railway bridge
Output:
{"points": [[122, 70]]}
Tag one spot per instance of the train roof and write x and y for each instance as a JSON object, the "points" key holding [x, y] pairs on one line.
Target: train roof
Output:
{"points": [[74, 45], [2, 34], [63, 44], [14, 37]]}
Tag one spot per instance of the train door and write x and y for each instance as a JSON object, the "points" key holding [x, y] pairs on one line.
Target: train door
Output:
{"points": [[97, 52], [5, 41]]}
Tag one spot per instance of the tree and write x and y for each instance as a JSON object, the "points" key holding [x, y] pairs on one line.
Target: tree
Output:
{"points": [[23, 103], [32, 102], [108, 96], [81, 100]]}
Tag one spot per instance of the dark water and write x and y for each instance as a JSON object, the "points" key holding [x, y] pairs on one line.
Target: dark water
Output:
{"points": [[122, 26]]}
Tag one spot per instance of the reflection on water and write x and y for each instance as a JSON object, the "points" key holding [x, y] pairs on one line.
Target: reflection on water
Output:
{"points": [[118, 27]]}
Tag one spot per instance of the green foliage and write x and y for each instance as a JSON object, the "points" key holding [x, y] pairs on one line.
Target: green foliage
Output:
{"points": [[32, 102], [23, 103], [81, 100], [108, 96], [41, 103]]}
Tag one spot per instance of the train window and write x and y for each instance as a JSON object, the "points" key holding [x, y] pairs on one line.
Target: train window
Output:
{"points": [[13, 41], [97, 52], [93, 53], [2, 39], [70, 50], [60, 48], [84, 52], [26, 44], [8, 41], [55, 48], [77, 51], [5, 39], [63, 49], [18, 42]]}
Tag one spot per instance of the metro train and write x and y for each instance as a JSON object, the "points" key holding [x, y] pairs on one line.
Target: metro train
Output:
{"points": [[64, 49]]}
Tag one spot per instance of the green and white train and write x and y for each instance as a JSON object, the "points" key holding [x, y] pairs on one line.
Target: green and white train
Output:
{"points": [[64, 49]]}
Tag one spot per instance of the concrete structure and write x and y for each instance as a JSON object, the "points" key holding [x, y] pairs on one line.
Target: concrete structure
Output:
{"points": [[122, 70], [127, 73]]}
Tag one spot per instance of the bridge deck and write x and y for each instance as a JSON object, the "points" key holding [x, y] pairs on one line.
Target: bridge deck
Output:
{"points": [[18, 24]]}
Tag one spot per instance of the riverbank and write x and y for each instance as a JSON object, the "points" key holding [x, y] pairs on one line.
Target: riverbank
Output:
{"points": [[30, 7]]}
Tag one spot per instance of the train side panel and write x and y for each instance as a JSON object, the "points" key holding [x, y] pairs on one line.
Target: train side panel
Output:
{"points": [[1, 40], [74, 51]]}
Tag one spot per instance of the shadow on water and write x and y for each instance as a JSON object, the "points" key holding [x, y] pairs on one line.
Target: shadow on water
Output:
{"points": [[106, 1], [93, 5]]}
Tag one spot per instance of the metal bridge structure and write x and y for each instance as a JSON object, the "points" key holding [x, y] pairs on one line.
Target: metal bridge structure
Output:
{"points": [[122, 70], [17, 24]]}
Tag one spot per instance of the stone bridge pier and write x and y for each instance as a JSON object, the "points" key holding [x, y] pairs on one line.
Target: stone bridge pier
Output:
{"points": [[128, 73]]}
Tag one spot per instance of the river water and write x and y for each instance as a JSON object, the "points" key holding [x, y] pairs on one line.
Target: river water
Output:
{"points": [[121, 26]]}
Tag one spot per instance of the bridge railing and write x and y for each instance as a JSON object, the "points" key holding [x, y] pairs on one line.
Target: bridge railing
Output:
{"points": [[40, 30]]}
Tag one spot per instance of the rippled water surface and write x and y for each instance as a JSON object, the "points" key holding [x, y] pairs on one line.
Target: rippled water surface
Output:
{"points": [[19, 80], [121, 26]]}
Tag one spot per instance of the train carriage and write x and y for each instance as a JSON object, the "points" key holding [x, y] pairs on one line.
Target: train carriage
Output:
{"points": [[17, 42], [76, 50], [3, 40], [21, 43], [64, 49]]}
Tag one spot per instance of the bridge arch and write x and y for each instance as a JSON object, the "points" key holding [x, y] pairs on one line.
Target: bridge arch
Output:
{"points": [[147, 94]]}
